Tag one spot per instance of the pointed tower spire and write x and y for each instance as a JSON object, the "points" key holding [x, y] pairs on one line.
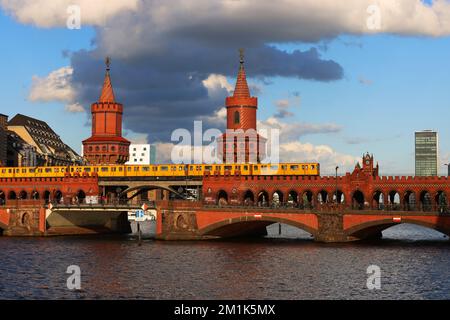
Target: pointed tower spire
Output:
{"points": [[241, 90], [107, 90]]}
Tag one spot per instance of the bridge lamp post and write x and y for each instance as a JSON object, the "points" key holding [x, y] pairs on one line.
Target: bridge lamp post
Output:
{"points": [[337, 201]]}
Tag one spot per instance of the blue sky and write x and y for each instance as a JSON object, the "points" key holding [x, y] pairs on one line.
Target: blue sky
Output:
{"points": [[392, 86]]}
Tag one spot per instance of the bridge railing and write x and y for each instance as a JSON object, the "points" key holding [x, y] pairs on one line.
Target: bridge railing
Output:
{"points": [[333, 207], [117, 203]]}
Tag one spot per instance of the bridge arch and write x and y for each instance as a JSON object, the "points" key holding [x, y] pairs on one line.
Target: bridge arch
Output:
{"points": [[81, 196], [250, 226], [340, 198], [374, 228]]}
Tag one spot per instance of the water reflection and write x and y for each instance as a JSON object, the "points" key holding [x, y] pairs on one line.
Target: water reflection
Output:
{"points": [[414, 262]]}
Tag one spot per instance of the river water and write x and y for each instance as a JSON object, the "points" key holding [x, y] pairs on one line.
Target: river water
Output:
{"points": [[414, 264]]}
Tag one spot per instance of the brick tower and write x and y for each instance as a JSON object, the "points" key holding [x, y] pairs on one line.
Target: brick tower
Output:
{"points": [[106, 145], [241, 143]]}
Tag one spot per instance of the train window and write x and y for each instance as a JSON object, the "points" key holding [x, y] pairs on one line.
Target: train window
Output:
{"points": [[113, 169], [312, 167], [227, 167], [237, 168], [274, 167], [17, 170], [155, 168], [47, 170], [39, 170], [294, 167], [180, 168], [255, 167], [145, 169], [87, 169], [3, 170], [96, 169], [56, 170], [63, 169], [120, 169], [199, 168], [104, 169], [128, 168], [136, 168], [24, 170], [284, 167], [191, 168], [245, 168], [164, 168], [208, 168]]}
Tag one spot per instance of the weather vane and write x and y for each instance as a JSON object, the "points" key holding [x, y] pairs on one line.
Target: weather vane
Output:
{"points": [[241, 54], [107, 62]]}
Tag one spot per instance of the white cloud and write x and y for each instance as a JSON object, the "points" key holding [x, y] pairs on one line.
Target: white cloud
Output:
{"points": [[56, 86], [53, 13], [328, 158], [74, 108], [217, 82], [292, 131], [218, 20]]}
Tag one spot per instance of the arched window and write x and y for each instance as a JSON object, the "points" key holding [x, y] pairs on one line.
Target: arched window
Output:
{"points": [[237, 117]]}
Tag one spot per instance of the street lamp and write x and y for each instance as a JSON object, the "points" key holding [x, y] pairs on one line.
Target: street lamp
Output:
{"points": [[337, 202]]}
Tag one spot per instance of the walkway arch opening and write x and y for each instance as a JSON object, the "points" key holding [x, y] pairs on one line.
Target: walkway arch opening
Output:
{"points": [[426, 201], [322, 197], [292, 198], [58, 196], [2, 198], [23, 195], [46, 196], [222, 198], [378, 200], [409, 200], [358, 200], [277, 198], [12, 195], [394, 200], [340, 199], [249, 198], [441, 201], [81, 196], [308, 199], [263, 199]]}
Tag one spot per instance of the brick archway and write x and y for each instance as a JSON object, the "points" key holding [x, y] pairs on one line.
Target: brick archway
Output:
{"points": [[238, 227]]}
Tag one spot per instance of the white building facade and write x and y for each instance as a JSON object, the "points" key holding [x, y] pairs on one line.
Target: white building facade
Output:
{"points": [[142, 154]]}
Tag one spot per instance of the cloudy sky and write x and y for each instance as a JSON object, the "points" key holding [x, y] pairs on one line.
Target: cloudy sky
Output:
{"points": [[338, 78]]}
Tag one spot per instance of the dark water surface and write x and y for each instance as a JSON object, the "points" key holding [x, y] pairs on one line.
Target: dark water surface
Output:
{"points": [[414, 262]]}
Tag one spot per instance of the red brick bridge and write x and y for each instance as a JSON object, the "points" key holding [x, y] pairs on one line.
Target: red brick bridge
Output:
{"points": [[356, 206]]}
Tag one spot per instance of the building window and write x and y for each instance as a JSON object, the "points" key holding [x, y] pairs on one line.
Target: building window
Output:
{"points": [[237, 117]]}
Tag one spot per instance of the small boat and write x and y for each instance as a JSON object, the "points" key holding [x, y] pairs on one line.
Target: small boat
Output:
{"points": [[143, 222]]}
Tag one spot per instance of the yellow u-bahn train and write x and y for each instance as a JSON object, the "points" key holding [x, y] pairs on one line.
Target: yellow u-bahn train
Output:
{"points": [[164, 170]]}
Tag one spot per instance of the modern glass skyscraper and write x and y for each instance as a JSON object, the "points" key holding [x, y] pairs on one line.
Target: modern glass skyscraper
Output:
{"points": [[426, 153]]}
